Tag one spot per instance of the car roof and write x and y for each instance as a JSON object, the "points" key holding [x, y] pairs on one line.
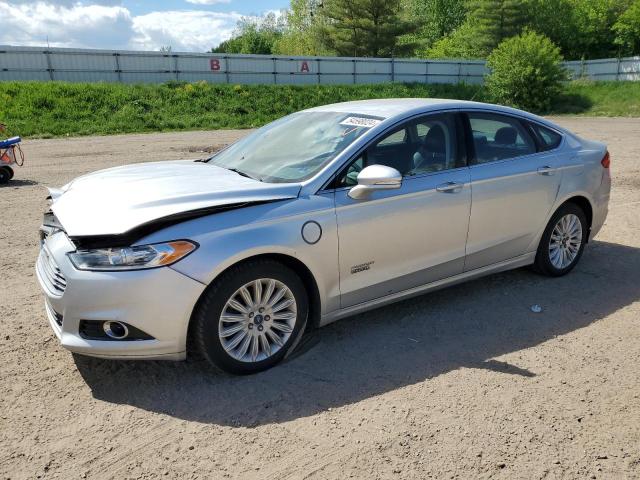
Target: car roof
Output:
{"points": [[392, 108]]}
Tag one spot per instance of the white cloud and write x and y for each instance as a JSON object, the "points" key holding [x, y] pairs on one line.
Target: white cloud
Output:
{"points": [[78, 25], [208, 2], [107, 24], [183, 30]]}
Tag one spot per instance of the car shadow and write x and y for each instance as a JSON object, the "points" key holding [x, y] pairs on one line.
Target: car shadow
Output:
{"points": [[465, 326]]}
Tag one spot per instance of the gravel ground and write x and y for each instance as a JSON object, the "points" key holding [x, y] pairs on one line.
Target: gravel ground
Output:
{"points": [[466, 382]]}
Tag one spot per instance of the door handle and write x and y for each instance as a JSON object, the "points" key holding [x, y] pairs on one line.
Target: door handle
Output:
{"points": [[450, 187], [546, 170]]}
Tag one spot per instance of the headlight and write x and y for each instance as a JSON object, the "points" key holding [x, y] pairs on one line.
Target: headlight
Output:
{"points": [[132, 258]]}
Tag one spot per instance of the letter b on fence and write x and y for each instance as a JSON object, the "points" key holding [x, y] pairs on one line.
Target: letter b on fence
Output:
{"points": [[214, 64]]}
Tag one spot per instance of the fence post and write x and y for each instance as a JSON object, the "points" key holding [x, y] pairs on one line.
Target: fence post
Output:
{"points": [[354, 70], [426, 71], [47, 54], [175, 67], [618, 70], [275, 67], [318, 74], [118, 71], [226, 68], [393, 69], [459, 71]]}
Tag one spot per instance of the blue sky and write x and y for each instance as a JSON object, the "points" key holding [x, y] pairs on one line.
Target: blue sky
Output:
{"points": [[185, 25]]}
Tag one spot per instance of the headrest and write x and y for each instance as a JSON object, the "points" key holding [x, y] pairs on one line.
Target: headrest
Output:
{"points": [[506, 136]]}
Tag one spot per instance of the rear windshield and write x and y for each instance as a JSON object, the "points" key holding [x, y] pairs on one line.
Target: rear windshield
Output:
{"points": [[295, 147]]}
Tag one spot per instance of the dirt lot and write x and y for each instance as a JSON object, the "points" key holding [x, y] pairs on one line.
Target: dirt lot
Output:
{"points": [[462, 383]]}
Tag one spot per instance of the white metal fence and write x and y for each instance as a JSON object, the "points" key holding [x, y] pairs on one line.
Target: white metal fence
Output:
{"points": [[83, 65], [618, 69]]}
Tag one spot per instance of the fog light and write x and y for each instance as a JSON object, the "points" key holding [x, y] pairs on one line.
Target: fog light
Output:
{"points": [[109, 330], [115, 330]]}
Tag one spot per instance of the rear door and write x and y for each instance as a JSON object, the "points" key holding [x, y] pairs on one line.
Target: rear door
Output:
{"points": [[513, 187]]}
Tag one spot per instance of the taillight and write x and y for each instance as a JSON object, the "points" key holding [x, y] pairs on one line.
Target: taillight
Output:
{"points": [[606, 160]]}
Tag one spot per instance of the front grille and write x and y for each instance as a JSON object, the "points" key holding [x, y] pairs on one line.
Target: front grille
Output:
{"points": [[51, 275]]}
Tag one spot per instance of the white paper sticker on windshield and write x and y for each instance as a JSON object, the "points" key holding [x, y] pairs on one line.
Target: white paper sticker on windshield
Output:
{"points": [[360, 122]]}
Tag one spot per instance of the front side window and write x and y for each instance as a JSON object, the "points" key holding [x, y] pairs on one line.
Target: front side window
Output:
{"points": [[499, 137], [295, 147], [425, 145]]}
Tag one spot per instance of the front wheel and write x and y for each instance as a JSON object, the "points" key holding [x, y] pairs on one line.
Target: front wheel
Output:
{"points": [[251, 317], [562, 242]]}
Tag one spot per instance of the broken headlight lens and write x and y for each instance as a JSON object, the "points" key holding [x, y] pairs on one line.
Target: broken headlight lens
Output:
{"points": [[132, 258]]}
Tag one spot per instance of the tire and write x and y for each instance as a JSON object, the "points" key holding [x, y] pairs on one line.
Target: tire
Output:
{"points": [[5, 175], [549, 257], [237, 288], [11, 172]]}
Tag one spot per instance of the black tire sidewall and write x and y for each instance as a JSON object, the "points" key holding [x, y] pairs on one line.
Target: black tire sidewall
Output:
{"points": [[5, 175], [214, 299], [543, 262]]}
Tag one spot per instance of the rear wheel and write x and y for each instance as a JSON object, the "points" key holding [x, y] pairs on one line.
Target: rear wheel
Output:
{"points": [[251, 317], [562, 242]]}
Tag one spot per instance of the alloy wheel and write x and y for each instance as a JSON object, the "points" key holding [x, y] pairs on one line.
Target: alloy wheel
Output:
{"points": [[257, 320], [565, 241]]}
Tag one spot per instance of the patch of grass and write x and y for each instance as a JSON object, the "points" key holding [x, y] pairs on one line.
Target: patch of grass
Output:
{"points": [[53, 109], [600, 99]]}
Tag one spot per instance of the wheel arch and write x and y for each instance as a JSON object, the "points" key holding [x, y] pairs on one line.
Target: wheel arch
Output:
{"points": [[295, 264], [585, 206]]}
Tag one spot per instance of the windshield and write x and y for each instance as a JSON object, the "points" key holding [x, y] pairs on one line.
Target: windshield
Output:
{"points": [[295, 147]]}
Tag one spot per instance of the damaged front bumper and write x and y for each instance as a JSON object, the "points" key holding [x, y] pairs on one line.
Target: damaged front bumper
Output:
{"points": [[157, 302]]}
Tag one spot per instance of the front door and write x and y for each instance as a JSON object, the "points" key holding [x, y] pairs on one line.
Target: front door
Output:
{"points": [[395, 240]]}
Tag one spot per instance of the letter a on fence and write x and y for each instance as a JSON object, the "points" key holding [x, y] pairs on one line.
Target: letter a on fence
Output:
{"points": [[304, 67]]}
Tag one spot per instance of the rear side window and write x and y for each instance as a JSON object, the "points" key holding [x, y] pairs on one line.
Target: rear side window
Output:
{"points": [[499, 137], [548, 139]]}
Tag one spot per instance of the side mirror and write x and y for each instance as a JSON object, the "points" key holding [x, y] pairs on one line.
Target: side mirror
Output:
{"points": [[376, 177]]}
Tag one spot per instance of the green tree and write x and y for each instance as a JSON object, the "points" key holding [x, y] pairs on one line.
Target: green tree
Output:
{"points": [[627, 30], [253, 36], [496, 20], [465, 42], [526, 72], [436, 19], [556, 20], [301, 34], [594, 27], [364, 28], [488, 22]]}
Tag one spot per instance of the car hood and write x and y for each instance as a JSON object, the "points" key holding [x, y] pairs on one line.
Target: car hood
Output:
{"points": [[117, 200]]}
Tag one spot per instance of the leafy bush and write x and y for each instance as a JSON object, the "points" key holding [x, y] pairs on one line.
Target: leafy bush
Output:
{"points": [[526, 72]]}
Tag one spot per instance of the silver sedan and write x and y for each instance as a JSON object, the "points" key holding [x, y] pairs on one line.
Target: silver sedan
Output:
{"points": [[317, 216]]}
